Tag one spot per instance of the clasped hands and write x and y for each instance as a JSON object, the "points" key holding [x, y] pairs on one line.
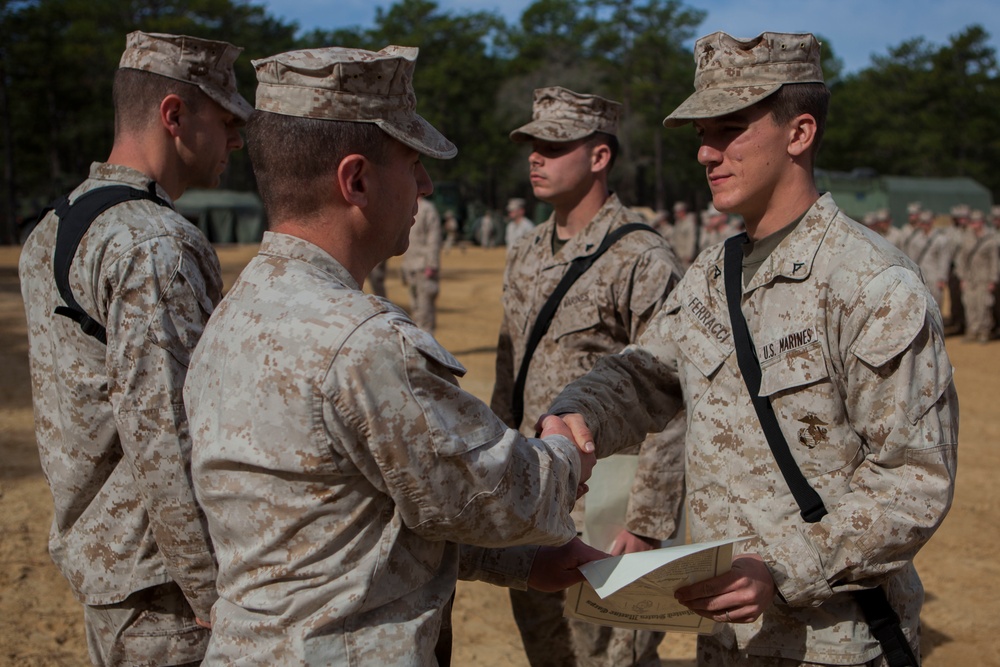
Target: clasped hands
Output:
{"points": [[738, 596]]}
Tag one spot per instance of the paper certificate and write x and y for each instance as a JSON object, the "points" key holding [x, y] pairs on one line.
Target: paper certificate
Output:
{"points": [[637, 590]]}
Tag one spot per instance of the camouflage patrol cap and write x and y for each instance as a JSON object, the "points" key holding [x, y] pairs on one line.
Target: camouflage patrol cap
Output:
{"points": [[960, 211], [559, 114], [732, 74], [913, 208], [206, 63], [351, 85], [515, 204], [995, 211]]}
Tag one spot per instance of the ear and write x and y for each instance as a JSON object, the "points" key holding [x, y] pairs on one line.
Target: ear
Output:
{"points": [[172, 109], [801, 134], [600, 157], [354, 177]]}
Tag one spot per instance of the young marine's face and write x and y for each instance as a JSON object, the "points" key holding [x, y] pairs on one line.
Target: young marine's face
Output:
{"points": [[744, 155], [560, 171], [402, 179], [210, 135]]}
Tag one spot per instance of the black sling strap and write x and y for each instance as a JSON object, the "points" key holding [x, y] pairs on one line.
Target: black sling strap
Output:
{"points": [[883, 622], [74, 221], [576, 269]]}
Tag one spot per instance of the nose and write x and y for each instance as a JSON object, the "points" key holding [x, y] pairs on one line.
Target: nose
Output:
{"points": [[424, 184], [535, 159], [708, 155]]}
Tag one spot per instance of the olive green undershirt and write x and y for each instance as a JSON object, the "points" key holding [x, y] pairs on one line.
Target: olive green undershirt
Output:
{"points": [[755, 253]]}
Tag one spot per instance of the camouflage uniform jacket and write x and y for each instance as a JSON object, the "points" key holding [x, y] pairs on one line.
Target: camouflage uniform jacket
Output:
{"points": [[933, 253], [978, 259], [338, 461], [853, 359], [109, 420], [605, 310], [424, 250]]}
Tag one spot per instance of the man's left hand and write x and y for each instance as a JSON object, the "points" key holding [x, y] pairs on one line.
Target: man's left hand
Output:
{"points": [[738, 596]]}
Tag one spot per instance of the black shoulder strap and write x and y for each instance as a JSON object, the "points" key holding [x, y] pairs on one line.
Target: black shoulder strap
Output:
{"points": [[74, 221], [882, 619], [576, 269], [810, 504]]}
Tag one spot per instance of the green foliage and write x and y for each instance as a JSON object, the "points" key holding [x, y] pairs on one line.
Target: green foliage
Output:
{"points": [[920, 110]]}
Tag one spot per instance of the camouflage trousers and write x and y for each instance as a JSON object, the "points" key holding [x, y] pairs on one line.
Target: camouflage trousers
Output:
{"points": [[423, 299], [712, 653], [153, 627], [978, 300], [551, 640]]}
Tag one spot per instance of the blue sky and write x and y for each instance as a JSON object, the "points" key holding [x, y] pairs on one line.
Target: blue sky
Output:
{"points": [[856, 28]]}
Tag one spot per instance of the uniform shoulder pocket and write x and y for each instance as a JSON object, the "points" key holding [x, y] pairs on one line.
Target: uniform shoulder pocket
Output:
{"points": [[893, 324]]}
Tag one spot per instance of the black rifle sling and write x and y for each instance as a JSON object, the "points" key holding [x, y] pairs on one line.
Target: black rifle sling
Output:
{"points": [[883, 622], [576, 269], [74, 221]]}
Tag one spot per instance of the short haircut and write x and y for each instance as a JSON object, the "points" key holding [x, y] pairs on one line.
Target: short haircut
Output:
{"points": [[605, 138], [793, 99], [291, 154], [137, 95]]}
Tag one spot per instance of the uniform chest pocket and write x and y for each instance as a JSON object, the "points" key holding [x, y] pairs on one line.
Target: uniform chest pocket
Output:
{"points": [[706, 344], [577, 313], [793, 369]]}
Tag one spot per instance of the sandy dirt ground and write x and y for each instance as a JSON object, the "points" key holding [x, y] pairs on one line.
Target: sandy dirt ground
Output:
{"points": [[41, 623]]}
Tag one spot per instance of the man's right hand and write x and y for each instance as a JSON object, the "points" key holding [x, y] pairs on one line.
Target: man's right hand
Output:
{"points": [[576, 430]]}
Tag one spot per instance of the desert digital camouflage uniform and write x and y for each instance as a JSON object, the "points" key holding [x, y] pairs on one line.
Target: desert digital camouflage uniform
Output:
{"points": [[932, 249], [130, 522], [110, 423], [852, 357], [605, 309], [421, 265], [686, 239], [977, 264], [336, 457], [338, 460]]}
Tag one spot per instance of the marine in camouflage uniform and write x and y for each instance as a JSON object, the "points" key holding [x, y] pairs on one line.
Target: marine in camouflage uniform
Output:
{"points": [[605, 310], [932, 249], [977, 264], [852, 357], [338, 461], [686, 237], [421, 265], [109, 419]]}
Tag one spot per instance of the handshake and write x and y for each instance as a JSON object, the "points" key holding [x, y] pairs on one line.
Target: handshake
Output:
{"points": [[573, 427]]}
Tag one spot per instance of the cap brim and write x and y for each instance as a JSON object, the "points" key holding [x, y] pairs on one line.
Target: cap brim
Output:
{"points": [[419, 135], [717, 102], [231, 102], [550, 130]]}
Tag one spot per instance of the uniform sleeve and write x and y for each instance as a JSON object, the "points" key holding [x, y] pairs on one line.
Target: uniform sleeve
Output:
{"points": [[507, 567], [901, 401], [630, 394], [156, 313], [657, 495], [452, 468]]}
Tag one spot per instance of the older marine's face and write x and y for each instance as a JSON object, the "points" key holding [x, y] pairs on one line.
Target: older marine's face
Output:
{"points": [[402, 179]]}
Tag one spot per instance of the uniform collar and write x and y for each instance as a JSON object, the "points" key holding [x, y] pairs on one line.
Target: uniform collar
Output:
{"points": [[118, 174], [291, 247], [794, 256], [587, 241]]}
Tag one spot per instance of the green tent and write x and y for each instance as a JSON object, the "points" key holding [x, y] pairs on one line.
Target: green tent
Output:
{"points": [[862, 191], [225, 216]]}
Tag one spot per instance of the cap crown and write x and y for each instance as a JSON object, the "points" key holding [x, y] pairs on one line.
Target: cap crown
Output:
{"points": [[352, 85], [733, 74], [559, 114], [205, 63]]}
